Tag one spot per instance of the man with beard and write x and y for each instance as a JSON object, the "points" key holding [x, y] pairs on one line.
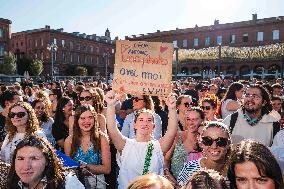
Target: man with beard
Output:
{"points": [[256, 119]]}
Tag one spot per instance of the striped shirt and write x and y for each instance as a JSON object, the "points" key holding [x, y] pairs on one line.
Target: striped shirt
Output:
{"points": [[187, 171]]}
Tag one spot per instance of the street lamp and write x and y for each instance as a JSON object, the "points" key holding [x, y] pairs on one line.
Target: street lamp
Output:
{"points": [[106, 56], [219, 58], [176, 51], [52, 48], [282, 66]]}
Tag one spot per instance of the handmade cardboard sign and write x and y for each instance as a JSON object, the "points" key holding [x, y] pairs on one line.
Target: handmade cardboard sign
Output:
{"points": [[143, 68]]}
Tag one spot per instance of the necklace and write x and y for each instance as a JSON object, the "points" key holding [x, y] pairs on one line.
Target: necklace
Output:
{"points": [[148, 158]]}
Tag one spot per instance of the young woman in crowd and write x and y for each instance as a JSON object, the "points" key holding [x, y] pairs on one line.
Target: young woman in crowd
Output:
{"points": [[35, 166], [45, 122], [89, 144], [54, 97], [21, 123], [206, 179], [183, 105], [209, 106], [62, 125], [185, 147], [232, 100], [89, 96], [252, 165], [215, 143], [276, 102], [141, 102], [100, 106], [142, 154], [152, 181], [29, 94]]}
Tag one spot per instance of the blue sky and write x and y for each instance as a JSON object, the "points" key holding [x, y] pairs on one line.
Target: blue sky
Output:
{"points": [[131, 17]]}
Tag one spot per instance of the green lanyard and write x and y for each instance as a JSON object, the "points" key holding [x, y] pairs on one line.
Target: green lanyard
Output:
{"points": [[148, 157]]}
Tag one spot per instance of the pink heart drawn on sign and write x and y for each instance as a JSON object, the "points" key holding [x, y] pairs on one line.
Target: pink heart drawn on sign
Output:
{"points": [[163, 49]]}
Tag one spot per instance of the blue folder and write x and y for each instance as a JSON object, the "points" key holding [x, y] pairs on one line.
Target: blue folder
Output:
{"points": [[66, 160]]}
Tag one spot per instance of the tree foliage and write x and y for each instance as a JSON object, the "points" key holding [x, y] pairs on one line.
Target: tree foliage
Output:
{"points": [[36, 67], [74, 70], [23, 65], [9, 65], [81, 71]]}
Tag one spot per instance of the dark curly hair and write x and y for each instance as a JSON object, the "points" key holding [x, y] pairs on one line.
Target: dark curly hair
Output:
{"points": [[265, 98]]}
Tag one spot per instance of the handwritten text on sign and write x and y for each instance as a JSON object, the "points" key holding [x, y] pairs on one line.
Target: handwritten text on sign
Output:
{"points": [[143, 67]]}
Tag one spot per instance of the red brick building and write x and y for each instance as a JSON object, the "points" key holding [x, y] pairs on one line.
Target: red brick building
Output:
{"points": [[95, 52], [5, 36], [254, 32]]}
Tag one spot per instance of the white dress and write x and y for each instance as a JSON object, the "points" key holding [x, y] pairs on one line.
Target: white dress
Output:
{"points": [[8, 148], [131, 161]]}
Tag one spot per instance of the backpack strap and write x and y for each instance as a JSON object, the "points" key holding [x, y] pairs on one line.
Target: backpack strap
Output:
{"points": [[276, 127], [233, 121]]}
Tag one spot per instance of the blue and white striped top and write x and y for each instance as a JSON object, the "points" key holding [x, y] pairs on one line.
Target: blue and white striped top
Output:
{"points": [[187, 171]]}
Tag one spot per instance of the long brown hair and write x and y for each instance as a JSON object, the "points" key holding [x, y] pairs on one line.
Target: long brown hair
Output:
{"points": [[32, 124], [95, 136]]}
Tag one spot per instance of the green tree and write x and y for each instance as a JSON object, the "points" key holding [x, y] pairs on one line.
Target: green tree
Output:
{"points": [[70, 70], [9, 65], [36, 67], [81, 71], [23, 65], [90, 69]]}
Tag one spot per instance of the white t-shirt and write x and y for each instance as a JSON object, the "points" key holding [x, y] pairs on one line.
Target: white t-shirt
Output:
{"points": [[8, 148], [131, 161]]}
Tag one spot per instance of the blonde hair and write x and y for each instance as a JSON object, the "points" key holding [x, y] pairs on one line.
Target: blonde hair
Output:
{"points": [[150, 180]]}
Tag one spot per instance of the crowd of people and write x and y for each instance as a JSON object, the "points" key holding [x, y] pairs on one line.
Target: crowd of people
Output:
{"points": [[211, 133]]}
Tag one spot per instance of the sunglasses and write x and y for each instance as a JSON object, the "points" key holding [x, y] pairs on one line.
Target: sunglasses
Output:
{"points": [[136, 99], [205, 107], [86, 98], [19, 114], [220, 141]]}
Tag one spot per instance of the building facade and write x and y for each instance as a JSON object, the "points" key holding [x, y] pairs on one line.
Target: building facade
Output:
{"points": [[251, 33], [68, 50], [5, 36]]}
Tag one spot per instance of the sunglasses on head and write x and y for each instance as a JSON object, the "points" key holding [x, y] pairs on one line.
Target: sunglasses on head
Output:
{"points": [[31, 141], [86, 98], [136, 99], [220, 141], [205, 107], [19, 114]]}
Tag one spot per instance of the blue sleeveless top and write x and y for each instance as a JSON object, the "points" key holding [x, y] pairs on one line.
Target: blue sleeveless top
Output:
{"points": [[90, 157]]}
